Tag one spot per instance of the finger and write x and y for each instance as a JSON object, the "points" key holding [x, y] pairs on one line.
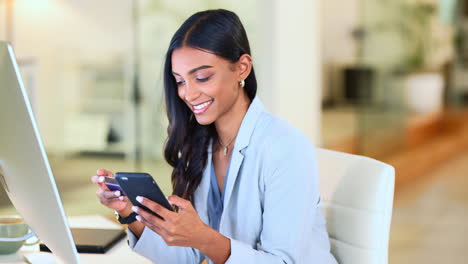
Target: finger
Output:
{"points": [[103, 172], [99, 181], [110, 200], [154, 220], [147, 223], [179, 202], [108, 194], [157, 208]]}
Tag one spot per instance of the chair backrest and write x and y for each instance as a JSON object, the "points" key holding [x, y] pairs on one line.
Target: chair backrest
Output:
{"points": [[357, 196]]}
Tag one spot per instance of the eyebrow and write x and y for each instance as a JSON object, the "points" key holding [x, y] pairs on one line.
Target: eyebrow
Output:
{"points": [[195, 69]]}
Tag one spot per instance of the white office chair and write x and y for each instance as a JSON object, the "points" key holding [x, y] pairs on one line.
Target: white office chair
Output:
{"points": [[357, 196]]}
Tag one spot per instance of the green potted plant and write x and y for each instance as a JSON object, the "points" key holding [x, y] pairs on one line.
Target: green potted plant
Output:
{"points": [[414, 26], [424, 81]]}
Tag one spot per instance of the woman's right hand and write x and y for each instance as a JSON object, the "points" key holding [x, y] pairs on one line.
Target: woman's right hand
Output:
{"points": [[112, 199]]}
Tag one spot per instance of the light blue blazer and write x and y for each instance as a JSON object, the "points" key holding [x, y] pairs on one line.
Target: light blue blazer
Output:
{"points": [[272, 211]]}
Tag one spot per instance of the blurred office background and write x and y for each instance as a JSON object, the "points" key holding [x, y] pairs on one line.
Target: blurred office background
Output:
{"points": [[386, 79]]}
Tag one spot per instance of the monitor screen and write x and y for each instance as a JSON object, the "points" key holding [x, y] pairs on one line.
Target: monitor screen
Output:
{"points": [[24, 168]]}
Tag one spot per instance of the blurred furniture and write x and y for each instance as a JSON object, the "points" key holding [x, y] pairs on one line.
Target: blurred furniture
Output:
{"points": [[98, 118], [358, 84], [424, 92], [357, 195], [106, 92], [347, 83], [86, 132]]}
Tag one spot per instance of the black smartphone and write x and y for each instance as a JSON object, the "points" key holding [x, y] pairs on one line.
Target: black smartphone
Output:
{"points": [[142, 184]]}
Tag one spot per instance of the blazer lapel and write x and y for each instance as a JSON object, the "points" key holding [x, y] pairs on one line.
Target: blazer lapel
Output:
{"points": [[236, 162], [201, 195], [242, 141]]}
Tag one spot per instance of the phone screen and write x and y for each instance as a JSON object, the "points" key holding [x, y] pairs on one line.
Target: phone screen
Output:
{"points": [[142, 184]]}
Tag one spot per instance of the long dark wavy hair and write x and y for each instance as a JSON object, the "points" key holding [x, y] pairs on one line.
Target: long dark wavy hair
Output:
{"points": [[219, 32]]}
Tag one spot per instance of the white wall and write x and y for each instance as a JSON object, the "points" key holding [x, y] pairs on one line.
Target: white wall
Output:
{"points": [[291, 70]]}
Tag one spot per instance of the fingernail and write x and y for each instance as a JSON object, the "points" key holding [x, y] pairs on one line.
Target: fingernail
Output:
{"points": [[139, 199], [101, 179], [138, 218], [134, 209], [117, 193], [121, 198]]}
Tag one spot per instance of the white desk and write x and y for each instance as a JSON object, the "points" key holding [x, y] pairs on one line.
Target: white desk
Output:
{"points": [[118, 254]]}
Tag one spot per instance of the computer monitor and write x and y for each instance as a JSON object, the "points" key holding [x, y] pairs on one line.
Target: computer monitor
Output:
{"points": [[24, 168]]}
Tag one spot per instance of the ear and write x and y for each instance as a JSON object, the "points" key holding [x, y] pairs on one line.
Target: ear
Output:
{"points": [[244, 66]]}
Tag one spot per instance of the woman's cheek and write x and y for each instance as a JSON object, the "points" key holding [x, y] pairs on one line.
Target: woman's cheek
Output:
{"points": [[181, 93]]}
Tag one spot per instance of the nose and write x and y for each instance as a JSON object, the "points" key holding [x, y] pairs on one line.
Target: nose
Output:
{"points": [[191, 92]]}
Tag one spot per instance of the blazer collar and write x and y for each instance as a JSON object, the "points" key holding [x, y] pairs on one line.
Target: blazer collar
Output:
{"points": [[248, 124]]}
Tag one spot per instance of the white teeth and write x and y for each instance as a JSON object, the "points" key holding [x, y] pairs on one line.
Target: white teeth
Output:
{"points": [[201, 106]]}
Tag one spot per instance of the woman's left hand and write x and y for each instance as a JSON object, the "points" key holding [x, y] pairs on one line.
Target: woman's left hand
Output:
{"points": [[184, 228]]}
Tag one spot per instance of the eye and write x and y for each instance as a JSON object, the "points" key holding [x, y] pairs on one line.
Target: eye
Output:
{"points": [[203, 79], [179, 83]]}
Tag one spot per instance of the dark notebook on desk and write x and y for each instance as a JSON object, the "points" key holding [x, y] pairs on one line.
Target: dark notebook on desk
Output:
{"points": [[91, 240]]}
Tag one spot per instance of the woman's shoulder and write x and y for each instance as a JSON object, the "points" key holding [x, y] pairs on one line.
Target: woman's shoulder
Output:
{"points": [[283, 151], [276, 134], [272, 127]]}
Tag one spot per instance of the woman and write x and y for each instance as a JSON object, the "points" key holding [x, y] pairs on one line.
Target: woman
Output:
{"points": [[245, 182]]}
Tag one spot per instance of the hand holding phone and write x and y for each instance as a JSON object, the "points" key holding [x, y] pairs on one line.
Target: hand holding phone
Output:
{"points": [[142, 184], [106, 193]]}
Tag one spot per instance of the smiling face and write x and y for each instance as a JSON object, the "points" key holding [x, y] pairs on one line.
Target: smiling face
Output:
{"points": [[208, 84]]}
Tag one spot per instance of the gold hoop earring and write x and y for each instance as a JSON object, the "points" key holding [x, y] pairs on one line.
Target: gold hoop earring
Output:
{"points": [[242, 83]]}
